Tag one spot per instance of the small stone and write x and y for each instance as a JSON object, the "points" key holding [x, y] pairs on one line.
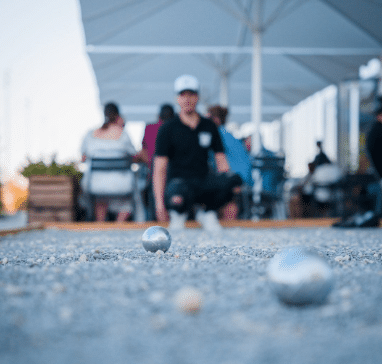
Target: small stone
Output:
{"points": [[4, 261], [188, 300], [83, 258], [342, 258], [52, 260], [368, 261]]}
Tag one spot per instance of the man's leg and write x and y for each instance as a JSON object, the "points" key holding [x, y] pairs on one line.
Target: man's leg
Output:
{"points": [[215, 192], [218, 190], [178, 195], [178, 199]]}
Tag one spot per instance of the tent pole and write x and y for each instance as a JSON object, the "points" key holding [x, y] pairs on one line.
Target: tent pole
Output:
{"points": [[224, 81], [256, 111], [224, 90]]}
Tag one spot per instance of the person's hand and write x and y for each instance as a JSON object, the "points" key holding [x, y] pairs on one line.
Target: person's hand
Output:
{"points": [[162, 214]]}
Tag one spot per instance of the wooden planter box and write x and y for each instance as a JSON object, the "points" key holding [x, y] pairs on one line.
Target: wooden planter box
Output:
{"points": [[51, 198]]}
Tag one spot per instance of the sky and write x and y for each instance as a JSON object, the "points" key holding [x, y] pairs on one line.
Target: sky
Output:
{"points": [[48, 92]]}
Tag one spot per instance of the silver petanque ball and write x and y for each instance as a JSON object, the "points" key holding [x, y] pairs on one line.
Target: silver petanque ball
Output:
{"points": [[300, 277], [156, 238]]}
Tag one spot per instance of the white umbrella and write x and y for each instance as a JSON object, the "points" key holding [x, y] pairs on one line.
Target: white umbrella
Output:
{"points": [[259, 57]]}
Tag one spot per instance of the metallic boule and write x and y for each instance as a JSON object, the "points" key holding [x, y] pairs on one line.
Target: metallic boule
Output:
{"points": [[156, 238], [299, 276]]}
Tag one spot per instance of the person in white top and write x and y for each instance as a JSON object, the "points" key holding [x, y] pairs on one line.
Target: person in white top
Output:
{"points": [[109, 141]]}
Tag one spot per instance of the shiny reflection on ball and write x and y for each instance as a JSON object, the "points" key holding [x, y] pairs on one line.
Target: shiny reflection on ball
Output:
{"points": [[299, 276], [156, 238]]}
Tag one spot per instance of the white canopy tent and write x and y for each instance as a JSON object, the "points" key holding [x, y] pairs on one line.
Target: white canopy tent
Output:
{"points": [[258, 57]]}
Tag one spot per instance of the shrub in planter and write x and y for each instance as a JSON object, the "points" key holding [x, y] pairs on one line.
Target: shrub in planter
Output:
{"points": [[53, 191]]}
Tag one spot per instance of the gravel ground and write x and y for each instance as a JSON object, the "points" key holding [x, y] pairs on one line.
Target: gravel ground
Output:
{"points": [[99, 297]]}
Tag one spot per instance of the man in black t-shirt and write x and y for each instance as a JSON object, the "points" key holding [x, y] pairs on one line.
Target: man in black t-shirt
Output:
{"points": [[181, 175]]}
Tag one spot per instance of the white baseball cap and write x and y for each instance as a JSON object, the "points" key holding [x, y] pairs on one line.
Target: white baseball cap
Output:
{"points": [[186, 82]]}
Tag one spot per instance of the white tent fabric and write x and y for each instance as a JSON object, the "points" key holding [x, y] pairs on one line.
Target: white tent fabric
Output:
{"points": [[138, 47]]}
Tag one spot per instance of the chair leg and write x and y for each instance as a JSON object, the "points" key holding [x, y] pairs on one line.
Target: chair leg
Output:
{"points": [[101, 211], [90, 208]]}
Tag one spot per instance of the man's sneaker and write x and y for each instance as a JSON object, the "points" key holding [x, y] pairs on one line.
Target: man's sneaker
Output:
{"points": [[177, 220], [209, 220], [367, 219]]}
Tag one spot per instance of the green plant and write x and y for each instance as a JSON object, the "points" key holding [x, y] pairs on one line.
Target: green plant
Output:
{"points": [[52, 169]]}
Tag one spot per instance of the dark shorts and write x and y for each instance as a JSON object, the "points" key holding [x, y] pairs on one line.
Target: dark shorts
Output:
{"points": [[212, 191]]}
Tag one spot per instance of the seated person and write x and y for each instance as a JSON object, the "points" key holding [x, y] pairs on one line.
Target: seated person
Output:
{"points": [[321, 158], [181, 177], [109, 141], [238, 158]]}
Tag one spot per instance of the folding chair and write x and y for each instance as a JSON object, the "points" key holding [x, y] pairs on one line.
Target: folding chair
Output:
{"points": [[269, 177], [119, 181]]}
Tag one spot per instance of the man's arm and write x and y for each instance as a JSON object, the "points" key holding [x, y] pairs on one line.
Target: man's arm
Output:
{"points": [[159, 184], [221, 162]]}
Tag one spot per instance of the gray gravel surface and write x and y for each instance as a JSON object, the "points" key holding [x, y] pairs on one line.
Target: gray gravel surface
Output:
{"points": [[99, 297]]}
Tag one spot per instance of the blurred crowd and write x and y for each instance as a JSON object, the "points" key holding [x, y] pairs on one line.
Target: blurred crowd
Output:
{"points": [[190, 167]]}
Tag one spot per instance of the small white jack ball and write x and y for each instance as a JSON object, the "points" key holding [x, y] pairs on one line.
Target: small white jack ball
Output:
{"points": [[300, 277], [156, 238], [188, 300]]}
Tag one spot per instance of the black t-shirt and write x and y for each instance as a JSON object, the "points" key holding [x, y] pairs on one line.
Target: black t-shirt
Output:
{"points": [[186, 148]]}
